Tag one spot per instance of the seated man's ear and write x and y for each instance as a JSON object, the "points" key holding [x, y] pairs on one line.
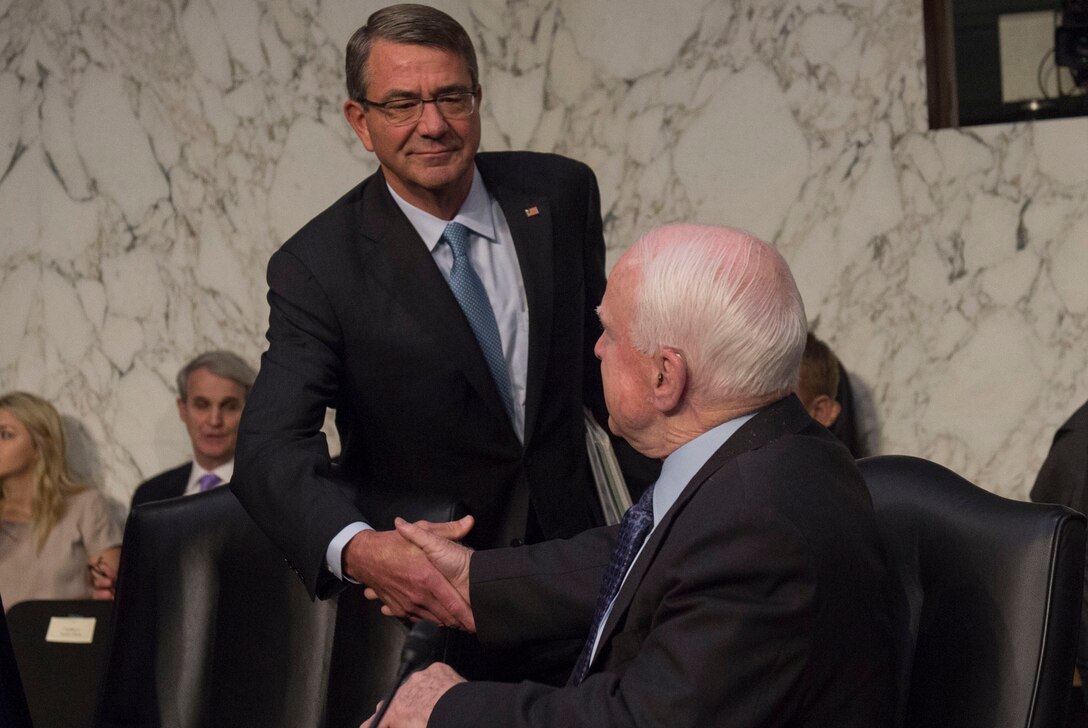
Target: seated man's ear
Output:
{"points": [[824, 409], [672, 379]]}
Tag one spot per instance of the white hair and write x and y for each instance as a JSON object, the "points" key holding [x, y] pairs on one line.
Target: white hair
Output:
{"points": [[727, 302]]}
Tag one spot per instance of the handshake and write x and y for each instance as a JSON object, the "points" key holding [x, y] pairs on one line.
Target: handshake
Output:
{"points": [[417, 571]]}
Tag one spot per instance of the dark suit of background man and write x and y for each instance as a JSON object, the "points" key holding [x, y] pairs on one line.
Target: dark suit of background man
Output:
{"points": [[757, 598], [364, 321], [212, 390]]}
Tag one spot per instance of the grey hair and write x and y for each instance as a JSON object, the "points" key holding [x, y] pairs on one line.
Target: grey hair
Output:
{"points": [[410, 24], [728, 303], [221, 363]]}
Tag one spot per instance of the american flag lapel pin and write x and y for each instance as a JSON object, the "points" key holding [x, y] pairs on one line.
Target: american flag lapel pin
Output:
{"points": [[531, 211]]}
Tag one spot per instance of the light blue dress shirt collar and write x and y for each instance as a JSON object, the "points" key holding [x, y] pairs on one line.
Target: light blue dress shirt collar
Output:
{"points": [[475, 214], [682, 464]]}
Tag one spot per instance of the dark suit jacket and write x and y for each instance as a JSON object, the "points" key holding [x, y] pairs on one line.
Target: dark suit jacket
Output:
{"points": [[363, 321], [170, 484], [759, 600], [1063, 479]]}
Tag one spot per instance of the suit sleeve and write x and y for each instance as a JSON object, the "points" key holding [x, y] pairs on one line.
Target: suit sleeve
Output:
{"points": [[727, 639], [283, 474], [546, 591]]}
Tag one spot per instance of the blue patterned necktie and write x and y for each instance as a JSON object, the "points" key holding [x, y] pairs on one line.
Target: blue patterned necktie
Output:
{"points": [[208, 481], [469, 291], [636, 523]]}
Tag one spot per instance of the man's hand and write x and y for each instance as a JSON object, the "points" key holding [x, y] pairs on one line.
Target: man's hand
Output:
{"points": [[451, 559], [399, 574], [413, 703]]}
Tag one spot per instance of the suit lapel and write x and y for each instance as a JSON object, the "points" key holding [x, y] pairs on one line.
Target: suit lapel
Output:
{"points": [[400, 262], [177, 488], [530, 222], [784, 416]]}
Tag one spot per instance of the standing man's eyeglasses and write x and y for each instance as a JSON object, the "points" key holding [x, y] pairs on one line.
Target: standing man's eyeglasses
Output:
{"points": [[401, 112]]}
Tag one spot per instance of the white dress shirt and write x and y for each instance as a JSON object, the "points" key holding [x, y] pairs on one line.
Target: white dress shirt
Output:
{"points": [[224, 471]]}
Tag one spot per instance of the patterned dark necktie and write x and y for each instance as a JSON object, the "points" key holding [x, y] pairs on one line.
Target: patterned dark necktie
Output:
{"points": [[469, 291], [636, 523]]}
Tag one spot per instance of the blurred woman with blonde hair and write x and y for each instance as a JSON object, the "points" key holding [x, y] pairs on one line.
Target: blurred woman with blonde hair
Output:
{"points": [[56, 533]]}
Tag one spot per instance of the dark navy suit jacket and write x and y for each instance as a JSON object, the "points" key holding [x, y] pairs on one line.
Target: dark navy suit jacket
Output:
{"points": [[170, 484], [760, 600]]}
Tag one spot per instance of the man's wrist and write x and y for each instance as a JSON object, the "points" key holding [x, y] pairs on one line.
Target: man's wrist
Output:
{"points": [[336, 553]]}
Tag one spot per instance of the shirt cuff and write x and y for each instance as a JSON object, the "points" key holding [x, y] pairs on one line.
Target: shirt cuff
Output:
{"points": [[334, 554]]}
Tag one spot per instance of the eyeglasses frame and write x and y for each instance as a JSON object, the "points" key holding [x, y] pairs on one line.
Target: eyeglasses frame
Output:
{"points": [[475, 93]]}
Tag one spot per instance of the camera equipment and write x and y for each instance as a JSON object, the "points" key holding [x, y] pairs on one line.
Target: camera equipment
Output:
{"points": [[1071, 40]]}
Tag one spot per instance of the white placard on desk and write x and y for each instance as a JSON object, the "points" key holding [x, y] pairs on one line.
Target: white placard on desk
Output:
{"points": [[71, 630]]}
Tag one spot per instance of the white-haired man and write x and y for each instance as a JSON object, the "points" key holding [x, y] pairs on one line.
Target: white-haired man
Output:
{"points": [[747, 588]]}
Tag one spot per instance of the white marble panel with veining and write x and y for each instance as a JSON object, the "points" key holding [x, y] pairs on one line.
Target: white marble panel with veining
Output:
{"points": [[154, 153]]}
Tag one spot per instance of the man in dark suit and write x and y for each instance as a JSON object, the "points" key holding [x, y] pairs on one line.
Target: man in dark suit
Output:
{"points": [[758, 596], [212, 391], [444, 309]]}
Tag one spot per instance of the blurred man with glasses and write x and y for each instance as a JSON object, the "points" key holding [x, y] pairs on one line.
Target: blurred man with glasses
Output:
{"points": [[444, 308]]}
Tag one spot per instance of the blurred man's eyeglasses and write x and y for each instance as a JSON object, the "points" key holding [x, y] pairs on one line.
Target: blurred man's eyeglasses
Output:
{"points": [[401, 112]]}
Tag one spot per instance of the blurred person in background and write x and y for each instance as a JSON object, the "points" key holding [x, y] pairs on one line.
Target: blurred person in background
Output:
{"points": [[827, 394], [212, 390], [1063, 479], [58, 539], [819, 382]]}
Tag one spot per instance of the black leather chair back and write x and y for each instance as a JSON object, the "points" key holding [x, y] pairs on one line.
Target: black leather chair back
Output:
{"points": [[988, 597], [212, 626], [14, 712], [61, 667]]}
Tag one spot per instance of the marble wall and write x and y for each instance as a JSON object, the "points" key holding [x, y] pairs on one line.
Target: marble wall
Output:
{"points": [[153, 153]]}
